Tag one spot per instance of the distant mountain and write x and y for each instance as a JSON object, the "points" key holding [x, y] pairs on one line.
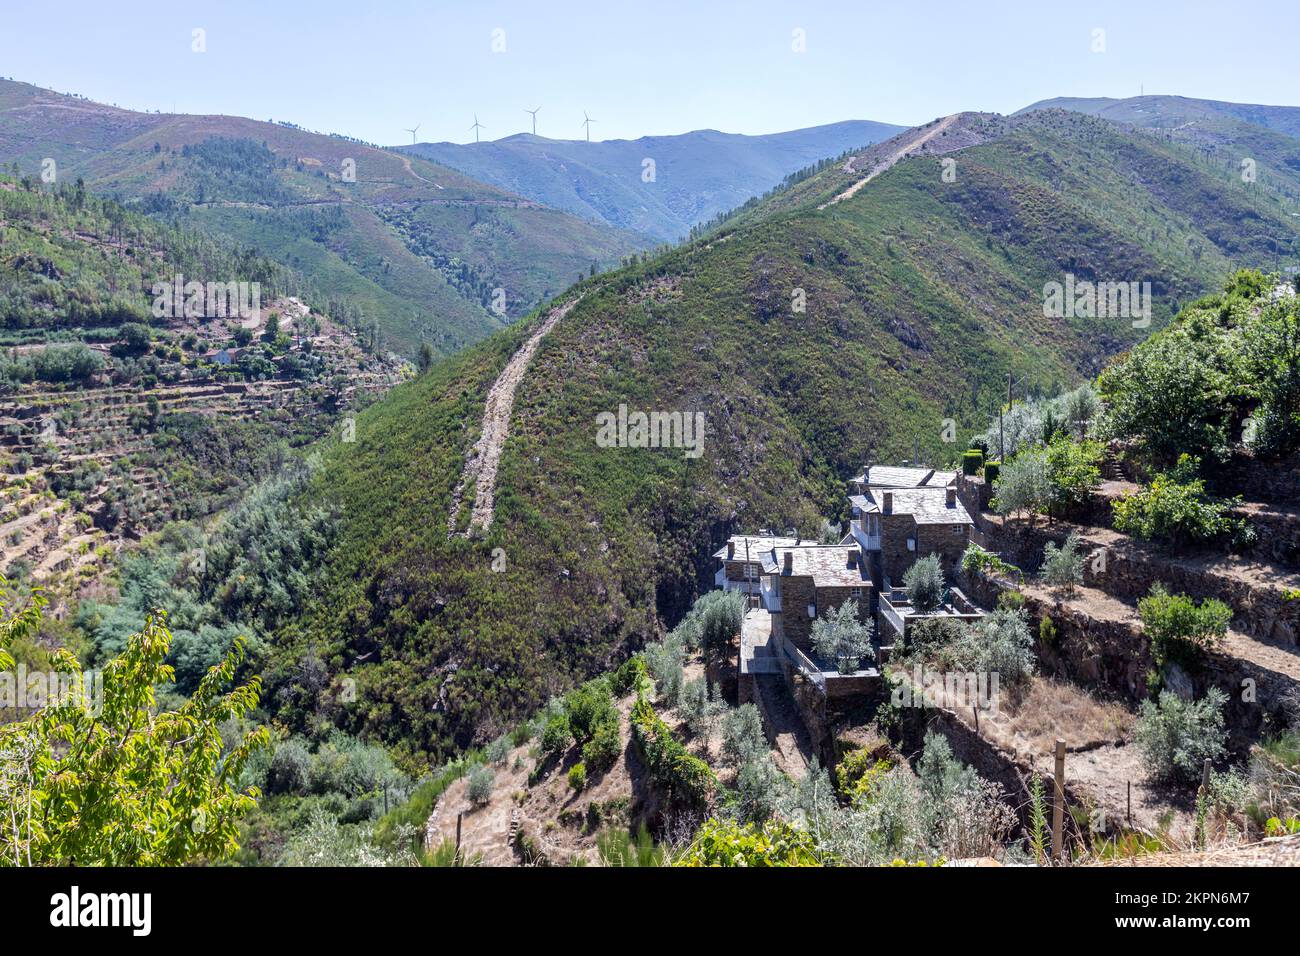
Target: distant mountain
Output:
{"points": [[852, 316], [1258, 144], [394, 242], [693, 177], [1175, 110]]}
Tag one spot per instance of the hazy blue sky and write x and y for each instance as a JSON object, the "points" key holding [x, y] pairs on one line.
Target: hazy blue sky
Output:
{"points": [[372, 69]]}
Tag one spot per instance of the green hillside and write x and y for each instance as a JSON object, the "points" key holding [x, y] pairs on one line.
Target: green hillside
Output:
{"points": [[1241, 139], [922, 295], [326, 205]]}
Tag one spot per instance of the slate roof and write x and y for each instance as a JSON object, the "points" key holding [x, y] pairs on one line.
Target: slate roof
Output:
{"points": [[927, 505], [758, 544], [891, 476], [829, 565]]}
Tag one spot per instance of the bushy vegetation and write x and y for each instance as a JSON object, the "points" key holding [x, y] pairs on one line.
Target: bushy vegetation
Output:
{"points": [[1179, 628], [977, 560], [925, 584], [1176, 508], [685, 780], [1177, 736], [841, 638], [999, 643], [1062, 568], [1189, 389], [144, 785]]}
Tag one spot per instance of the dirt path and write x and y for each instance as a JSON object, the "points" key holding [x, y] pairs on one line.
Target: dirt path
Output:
{"points": [[406, 161], [483, 459], [904, 150]]}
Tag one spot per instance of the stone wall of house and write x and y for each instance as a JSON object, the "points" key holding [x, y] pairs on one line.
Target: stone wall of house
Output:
{"points": [[895, 557], [948, 541], [797, 592]]}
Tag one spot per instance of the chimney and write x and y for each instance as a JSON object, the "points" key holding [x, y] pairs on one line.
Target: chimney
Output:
{"points": [[952, 497], [888, 502], [731, 550], [789, 563]]}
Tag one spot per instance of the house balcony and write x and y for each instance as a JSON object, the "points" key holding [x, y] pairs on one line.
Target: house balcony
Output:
{"points": [[863, 536], [721, 580]]}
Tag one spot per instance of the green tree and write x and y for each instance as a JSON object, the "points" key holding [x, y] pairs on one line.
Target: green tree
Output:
{"points": [[924, 583], [1062, 568], [1023, 484], [840, 637], [126, 784]]}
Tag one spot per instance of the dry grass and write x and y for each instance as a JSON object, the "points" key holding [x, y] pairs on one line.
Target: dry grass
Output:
{"points": [[1048, 709]]}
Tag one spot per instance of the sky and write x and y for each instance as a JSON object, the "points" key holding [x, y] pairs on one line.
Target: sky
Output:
{"points": [[375, 69]]}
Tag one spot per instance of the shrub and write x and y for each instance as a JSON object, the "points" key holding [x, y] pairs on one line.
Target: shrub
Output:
{"points": [[1177, 736], [976, 560], [604, 747], [925, 637], [1175, 508], [1062, 568], [478, 788], [859, 772], [588, 707], [725, 843], [760, 789], [999, 644], [1079, 410], [924, 583], [701, 705], [992, 469], [742, 734], [839, 637], [1073, 473], [664, 662], [290, 768], [686, 779], [1180, 629], [829, 533], [972, 461], [498, 751], [628, 676], [720, 614], [578, 777], [556, 735]]}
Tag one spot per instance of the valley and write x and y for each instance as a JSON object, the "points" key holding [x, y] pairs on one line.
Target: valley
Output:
{"points": [[301, 439]]}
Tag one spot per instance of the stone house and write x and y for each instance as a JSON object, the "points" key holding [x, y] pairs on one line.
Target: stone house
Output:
{"points": [[801, 584]]}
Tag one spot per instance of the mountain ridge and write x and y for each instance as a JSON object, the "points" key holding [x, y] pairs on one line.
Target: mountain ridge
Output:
{"points": [[697, 175]]}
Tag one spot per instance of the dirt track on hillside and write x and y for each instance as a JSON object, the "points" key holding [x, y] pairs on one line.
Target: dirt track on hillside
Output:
{"points": [[906, 149], [483, 459]]}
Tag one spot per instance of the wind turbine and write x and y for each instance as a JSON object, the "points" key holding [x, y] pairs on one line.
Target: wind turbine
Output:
{"points": [[586, 122], [476, 127], [412, 132], [534, 112]]}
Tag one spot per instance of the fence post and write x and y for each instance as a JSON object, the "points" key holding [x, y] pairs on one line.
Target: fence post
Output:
{"points": [[459, 817], [1058, 803]]}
